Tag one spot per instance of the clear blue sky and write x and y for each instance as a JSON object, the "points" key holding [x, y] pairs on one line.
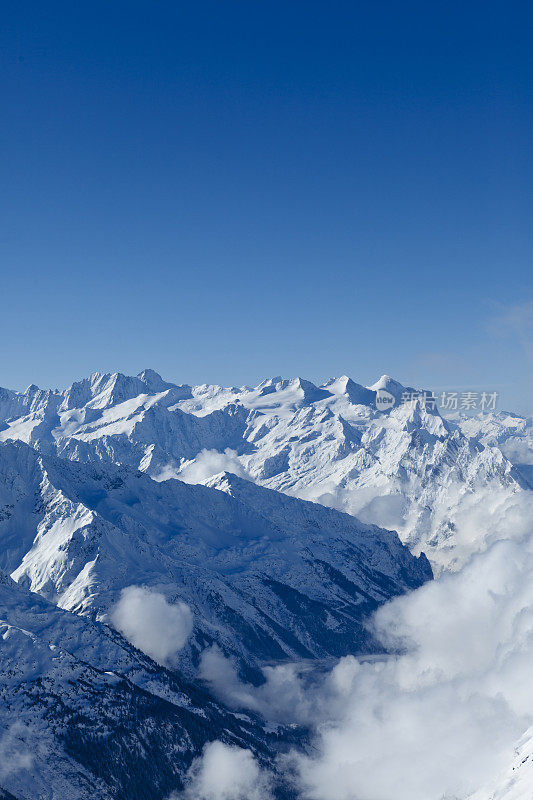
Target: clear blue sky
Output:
{"points": [[228, 190]]}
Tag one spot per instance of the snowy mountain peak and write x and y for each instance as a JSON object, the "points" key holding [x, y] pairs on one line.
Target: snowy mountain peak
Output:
{"points": [[267, 383], [303, 389], [153, 381], [104, 390], [389, 385], [355, 392]]}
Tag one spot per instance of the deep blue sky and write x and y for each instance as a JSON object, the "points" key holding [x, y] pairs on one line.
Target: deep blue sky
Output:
{"points": [[228, 190]]}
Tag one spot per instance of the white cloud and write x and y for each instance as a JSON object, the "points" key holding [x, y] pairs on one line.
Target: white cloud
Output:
{"points": [[226, 773], [480, 517], [15, 754], [150, 623], [437, 721], [291, 693], [442, 718], [519, 451], [210, 462], [165, 473]]}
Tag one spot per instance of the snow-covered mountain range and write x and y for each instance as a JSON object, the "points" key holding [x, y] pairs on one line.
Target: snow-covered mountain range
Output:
{"points": [[406, 468], [266, 576], [260, 522]]}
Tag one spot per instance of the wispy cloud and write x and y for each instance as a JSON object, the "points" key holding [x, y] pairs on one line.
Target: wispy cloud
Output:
{"points": [[15, 754], [515, 321]]}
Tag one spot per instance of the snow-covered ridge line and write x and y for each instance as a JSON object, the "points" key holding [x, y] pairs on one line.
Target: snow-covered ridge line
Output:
{"points": [[406, 468], [84, 714], [265, 575]]}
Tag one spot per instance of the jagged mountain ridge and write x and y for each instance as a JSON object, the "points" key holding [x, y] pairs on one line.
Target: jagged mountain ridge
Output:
{"points": [[407, 468], [83, 714], [511, 433], [267, 576]]}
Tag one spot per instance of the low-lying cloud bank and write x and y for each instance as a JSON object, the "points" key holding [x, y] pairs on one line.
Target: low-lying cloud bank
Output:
{"points": [[437, 722], [291, 693], [473, 518], [152, 624]]}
